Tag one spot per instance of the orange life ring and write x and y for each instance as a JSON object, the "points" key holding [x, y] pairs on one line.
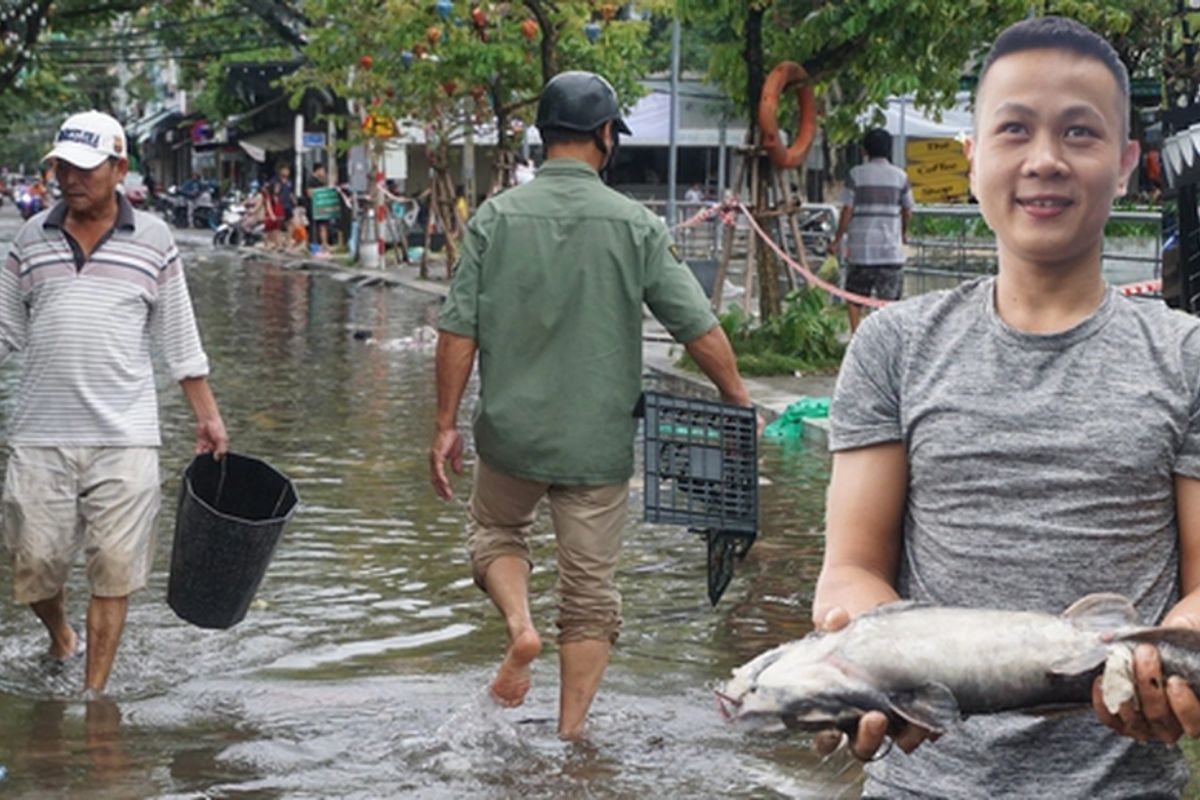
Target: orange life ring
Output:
{"points": [[785, 74]]}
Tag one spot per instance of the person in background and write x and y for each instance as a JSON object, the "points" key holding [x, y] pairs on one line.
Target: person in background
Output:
{"points": [[284, 191], [877, 205], [298, 231], [190, 192], [273, 217], [524, 171], [319, 229]]}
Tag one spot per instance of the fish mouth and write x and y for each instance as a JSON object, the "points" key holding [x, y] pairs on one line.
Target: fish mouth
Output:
{"points": [[727, 706]]}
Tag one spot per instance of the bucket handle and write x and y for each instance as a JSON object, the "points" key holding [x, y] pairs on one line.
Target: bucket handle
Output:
{"points": [[220, 484], [221, 487], [282, 494]]}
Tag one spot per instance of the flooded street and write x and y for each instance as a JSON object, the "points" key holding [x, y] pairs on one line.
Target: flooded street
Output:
{"points": [[361, 668]]}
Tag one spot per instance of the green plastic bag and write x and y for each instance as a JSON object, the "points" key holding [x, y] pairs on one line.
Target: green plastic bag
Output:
{"points": [[790, 424], [829, 270]]}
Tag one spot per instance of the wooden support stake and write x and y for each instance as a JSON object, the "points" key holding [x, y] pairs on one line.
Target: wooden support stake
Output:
{"points": [[751, 245], [727, 245]]}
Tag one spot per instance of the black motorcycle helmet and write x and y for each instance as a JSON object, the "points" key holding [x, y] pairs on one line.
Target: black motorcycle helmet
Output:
{"points": [[579, 101]]}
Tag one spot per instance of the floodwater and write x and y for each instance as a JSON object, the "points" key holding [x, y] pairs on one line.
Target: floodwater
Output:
{"points": [[360, 671]]}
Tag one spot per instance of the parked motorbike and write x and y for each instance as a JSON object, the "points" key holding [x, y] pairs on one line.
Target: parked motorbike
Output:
{"points": [[28, 203], [205, 213], [236, 228], [173, 207], [817, 226]]}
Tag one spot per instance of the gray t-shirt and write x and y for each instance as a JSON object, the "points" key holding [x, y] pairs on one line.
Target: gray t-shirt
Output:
{"points": [[1040, 469], [878, 191]]}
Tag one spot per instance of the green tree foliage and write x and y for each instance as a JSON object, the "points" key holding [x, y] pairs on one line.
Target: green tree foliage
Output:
{"points": [[451, 65], [484, 62], [860, 52], [207, 37], [75, 54]]}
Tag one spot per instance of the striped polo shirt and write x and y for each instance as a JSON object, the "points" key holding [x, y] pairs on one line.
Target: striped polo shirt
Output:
{"points": [[877, 190], [87, 326]]}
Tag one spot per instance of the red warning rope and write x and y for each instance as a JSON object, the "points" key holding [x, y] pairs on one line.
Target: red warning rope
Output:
{"points": [[1153, 286], [804, 271]]}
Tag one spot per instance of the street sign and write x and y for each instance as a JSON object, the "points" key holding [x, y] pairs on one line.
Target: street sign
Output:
{"points": [[313, 141], [944, 190], [925, 149], [921, 171], [325, 204], [937, 170]]}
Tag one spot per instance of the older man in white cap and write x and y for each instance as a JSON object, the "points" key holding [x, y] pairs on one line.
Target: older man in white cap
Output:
{"points": [[89, 289]]}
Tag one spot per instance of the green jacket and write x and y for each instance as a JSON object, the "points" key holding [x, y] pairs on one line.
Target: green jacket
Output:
{"points": [[550, 284]]}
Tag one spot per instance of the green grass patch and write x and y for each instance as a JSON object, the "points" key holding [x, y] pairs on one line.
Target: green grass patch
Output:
{"points": [[945, 227], [804, 338]]}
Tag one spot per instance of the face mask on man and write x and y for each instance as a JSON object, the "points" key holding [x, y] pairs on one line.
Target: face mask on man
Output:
{"points": [[608, 166]]}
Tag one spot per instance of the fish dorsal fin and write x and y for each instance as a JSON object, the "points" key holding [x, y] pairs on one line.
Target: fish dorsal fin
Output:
{"points": [[1103, 611], [932, 706]]}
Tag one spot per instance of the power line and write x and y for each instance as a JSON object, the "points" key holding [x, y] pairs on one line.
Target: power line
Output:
{"points": [[182, 56]]}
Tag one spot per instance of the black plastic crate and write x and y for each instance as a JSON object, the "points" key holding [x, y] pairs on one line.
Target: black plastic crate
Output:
{"points": [[701, 464]]}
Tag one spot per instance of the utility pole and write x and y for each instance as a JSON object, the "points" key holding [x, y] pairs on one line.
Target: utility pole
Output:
{"points": [[673, 146]]}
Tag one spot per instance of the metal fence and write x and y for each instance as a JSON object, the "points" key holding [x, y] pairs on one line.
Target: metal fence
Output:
{"points": [[956, 245], [963, 248]]}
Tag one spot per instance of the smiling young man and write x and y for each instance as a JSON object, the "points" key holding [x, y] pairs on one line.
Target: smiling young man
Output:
{"points": [[1023, 440], [89, 289]]}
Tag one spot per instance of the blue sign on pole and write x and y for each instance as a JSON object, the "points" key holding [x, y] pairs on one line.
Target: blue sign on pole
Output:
{"points": [[313, 141]]}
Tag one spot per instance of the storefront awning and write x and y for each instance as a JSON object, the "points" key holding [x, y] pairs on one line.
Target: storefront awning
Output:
{"points": [[276, 140], [145, 128]]}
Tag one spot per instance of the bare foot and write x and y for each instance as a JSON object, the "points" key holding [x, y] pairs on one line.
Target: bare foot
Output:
{"points": [[513, 678], [63, 649]]}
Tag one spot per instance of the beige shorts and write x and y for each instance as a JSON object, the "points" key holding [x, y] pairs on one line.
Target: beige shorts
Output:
{"points": [[588, 524], [58, 500]]}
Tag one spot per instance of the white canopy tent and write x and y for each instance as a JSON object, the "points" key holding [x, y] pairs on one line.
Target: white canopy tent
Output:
{"points": [[904, 121]]}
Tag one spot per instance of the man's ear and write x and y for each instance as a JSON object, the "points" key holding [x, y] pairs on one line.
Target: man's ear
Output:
{"points": [[969, 151], [1130, 155]]}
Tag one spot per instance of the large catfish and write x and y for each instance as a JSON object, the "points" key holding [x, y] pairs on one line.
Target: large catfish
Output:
{"points": [[932, 665]]}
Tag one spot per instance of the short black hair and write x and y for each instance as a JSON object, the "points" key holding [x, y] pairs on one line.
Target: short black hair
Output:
{"points": [[556, 136], [878, 143], [1060, 33]]}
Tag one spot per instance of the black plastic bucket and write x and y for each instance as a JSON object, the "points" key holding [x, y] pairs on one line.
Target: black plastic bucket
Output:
{"points": [[231, 514]]}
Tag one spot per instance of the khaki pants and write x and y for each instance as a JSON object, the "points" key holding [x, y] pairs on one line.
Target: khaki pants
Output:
{"points": [[60, 500], [588, 523]]}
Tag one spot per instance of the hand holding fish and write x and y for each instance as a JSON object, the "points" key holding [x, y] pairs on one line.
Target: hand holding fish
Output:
{"points": [[873, 727], [1163, 708], [919, 669]]}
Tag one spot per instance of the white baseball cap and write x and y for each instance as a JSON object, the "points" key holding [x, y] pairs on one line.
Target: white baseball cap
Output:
{"points": [[87, 139]]}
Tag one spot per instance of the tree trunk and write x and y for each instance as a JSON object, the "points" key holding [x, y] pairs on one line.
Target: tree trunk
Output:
{"points": [[767, 267], [549, 44], [769, 302]]}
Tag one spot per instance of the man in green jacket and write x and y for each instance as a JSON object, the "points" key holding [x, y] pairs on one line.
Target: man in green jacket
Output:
{"points": [[548, 291]]}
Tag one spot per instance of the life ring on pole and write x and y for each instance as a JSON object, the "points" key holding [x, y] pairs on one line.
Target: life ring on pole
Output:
{"points": [[785, 74]]}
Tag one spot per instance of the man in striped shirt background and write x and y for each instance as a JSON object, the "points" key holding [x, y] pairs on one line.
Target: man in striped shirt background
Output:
{"points": [[90, 287], [877, 204]]}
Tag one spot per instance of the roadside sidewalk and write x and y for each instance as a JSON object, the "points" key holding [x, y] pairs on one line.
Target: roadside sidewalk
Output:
{"points": [[772, 395]]}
